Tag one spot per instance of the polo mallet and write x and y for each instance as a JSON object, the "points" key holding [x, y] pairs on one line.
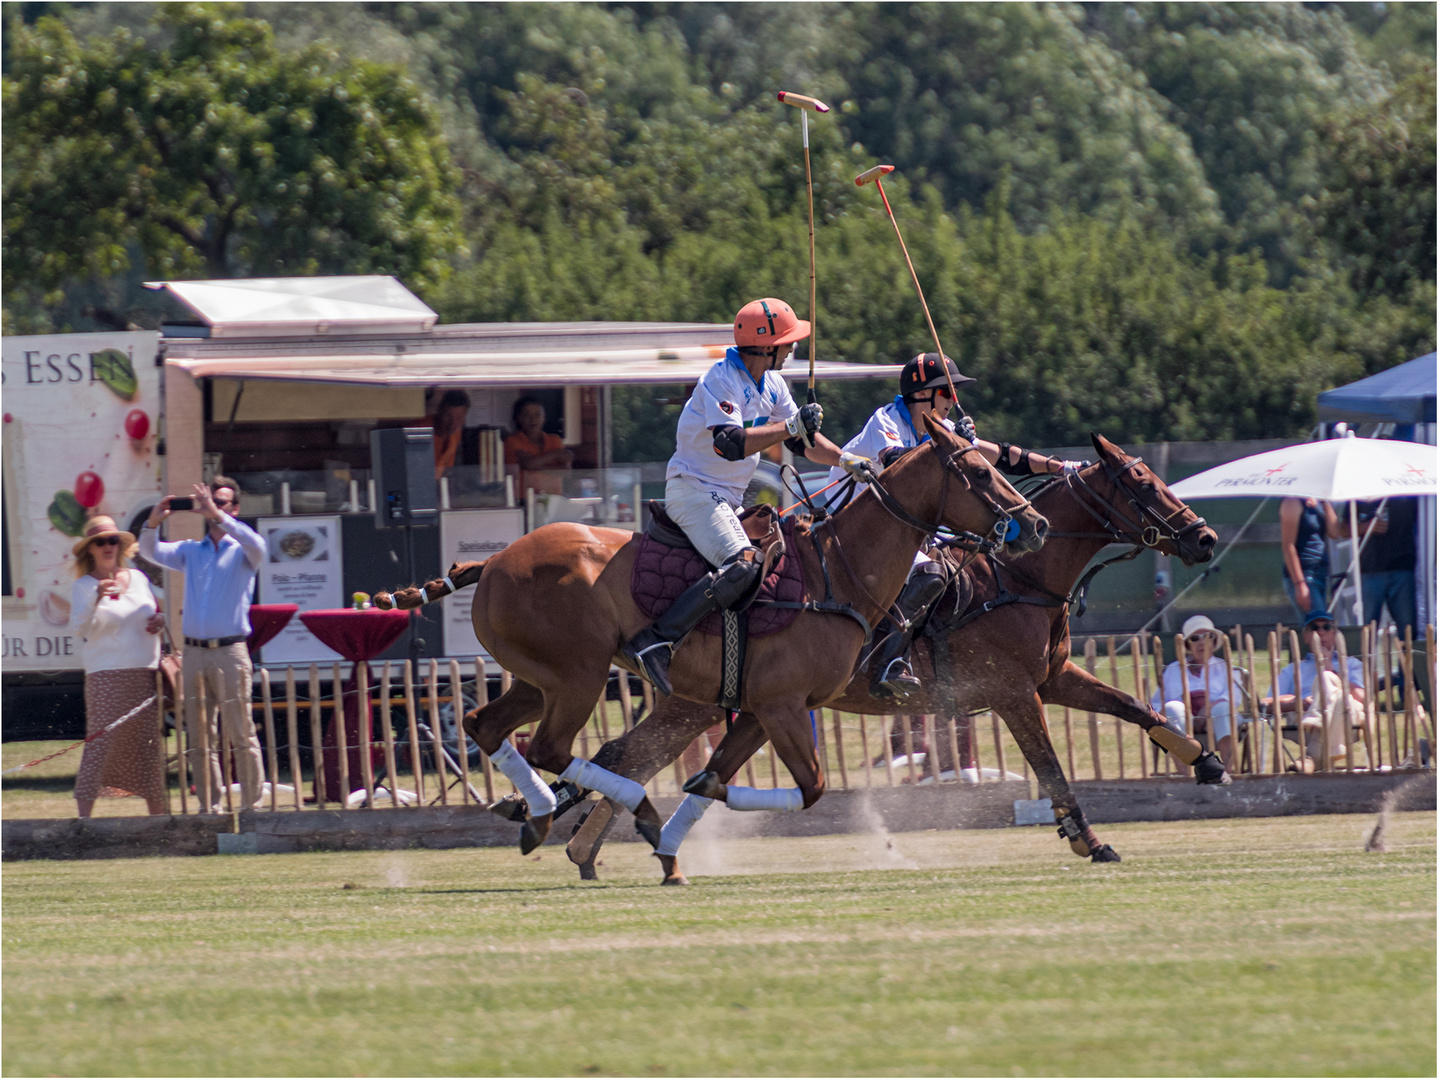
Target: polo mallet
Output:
{"points": [[807, 105], [875, 174]]}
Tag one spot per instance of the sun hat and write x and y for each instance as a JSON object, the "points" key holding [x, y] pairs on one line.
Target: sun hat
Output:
{"points": [[98, 526], [1197, 623]]}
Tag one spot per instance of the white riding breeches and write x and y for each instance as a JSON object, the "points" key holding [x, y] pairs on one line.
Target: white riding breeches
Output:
{"points": [[707, 519]]}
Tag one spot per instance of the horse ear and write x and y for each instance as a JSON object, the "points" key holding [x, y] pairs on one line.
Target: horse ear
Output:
{"points": [[1102, 446]]}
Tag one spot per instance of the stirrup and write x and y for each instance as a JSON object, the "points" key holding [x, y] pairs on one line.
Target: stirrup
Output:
{"points": [[652, 660], [899, 683]]}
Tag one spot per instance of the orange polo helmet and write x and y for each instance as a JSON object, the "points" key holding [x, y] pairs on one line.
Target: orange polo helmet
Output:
{"points": [[768, 322]]}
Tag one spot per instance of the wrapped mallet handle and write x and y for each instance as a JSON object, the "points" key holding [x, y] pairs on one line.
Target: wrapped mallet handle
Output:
{"points": [[800, 101]]}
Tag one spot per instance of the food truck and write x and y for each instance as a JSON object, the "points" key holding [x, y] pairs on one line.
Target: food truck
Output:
{"points": [[280, 384]]}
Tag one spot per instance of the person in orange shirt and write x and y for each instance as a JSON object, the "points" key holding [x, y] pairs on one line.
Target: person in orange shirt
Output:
{"points": [[531, 447], [449, 425]]}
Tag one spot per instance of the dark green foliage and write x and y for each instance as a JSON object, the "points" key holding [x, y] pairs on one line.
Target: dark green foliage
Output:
{"points": [[1156, 220]]}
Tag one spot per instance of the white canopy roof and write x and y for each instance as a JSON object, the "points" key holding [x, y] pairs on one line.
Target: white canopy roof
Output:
{"points": [[265, 307], [492, 354]]}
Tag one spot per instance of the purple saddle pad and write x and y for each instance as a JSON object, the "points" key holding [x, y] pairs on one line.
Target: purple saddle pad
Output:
{"points": [[661, 573]]}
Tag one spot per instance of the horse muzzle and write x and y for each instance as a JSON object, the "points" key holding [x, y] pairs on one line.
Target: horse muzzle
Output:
{"points": [[1198, 545], [1033, 531]]}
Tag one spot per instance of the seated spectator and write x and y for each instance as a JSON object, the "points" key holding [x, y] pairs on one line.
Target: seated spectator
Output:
{"points": [[533, 448], [449, 424], [1299, 695], [1212, 688], [1386, 562]]}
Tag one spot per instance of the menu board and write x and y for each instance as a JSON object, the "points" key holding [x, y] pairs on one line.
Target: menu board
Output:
{"points": [[304, 566], [470, 536]]}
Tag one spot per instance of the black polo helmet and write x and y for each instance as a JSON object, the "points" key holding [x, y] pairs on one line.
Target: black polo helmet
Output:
{"points": [[924, 373]]}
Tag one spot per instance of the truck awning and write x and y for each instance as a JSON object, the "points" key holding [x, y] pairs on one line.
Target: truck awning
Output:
{"points": [[269, 307], [533, 355]]}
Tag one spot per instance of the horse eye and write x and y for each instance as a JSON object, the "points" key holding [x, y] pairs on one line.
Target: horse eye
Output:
{"points": [[1148, 489]]}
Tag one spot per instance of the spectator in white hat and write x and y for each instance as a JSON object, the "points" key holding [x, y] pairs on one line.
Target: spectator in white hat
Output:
{"points": [[1210, 687]]}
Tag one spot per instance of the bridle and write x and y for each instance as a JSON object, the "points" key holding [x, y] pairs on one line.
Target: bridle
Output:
{"points": [[951, 468], [1145, 527]]}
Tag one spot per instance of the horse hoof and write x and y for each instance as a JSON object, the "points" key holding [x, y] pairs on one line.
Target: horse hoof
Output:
{"points": [[670, 866], [1208, 769], [650, 830], [706, 785], [533, 833], [511, 808], [587, 872], [1104, 853]]}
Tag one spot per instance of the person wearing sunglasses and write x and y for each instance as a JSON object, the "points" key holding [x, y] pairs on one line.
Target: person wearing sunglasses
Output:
{"points": [[1298, 695], [114, 614], [219, 582], [1210, 686], [895, 428]]}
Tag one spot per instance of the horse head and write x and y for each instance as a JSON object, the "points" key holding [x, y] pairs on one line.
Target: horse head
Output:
{"points": [[1139, 508], [955, 458]]}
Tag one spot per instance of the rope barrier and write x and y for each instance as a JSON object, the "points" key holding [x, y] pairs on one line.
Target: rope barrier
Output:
{"points": [[89, 738]]}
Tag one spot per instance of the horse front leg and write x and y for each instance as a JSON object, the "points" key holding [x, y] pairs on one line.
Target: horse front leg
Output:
{"points": [[1024, 715], [1073, 686]]}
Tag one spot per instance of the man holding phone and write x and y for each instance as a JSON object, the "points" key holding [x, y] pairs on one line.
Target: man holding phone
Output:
{"points": [[219, 581]]}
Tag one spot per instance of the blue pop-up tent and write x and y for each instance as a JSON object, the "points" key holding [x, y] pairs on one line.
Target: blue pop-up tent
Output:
{"points": [[1401, 395]]}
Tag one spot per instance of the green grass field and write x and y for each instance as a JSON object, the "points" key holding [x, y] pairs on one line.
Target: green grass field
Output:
{"points": [[1247, 947]]}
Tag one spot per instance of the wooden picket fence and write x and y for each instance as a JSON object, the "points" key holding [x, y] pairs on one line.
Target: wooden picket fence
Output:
{"points": [[417, 708]]}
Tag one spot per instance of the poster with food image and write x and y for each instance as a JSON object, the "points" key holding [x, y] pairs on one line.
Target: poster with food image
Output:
{"points": [[81, 415], [303, 567]]}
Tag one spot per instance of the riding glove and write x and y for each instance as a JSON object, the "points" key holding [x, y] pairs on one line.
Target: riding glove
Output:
{"points": [[803, 424], [964, 425], [1069, 468], [861, 468]]}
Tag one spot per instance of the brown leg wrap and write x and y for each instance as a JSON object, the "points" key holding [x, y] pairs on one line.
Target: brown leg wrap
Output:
{"points": [[1175, 743]]}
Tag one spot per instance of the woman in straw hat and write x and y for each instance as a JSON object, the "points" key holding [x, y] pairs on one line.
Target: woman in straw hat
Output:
{"points": [[114, 613], [1211, 691]]}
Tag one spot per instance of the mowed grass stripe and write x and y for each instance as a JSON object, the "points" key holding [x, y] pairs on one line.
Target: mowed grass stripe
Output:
{"points": [[1269, 947]]}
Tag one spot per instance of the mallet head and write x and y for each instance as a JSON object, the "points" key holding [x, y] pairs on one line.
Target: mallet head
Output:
{"points": [[800, 101], [872, 174]]}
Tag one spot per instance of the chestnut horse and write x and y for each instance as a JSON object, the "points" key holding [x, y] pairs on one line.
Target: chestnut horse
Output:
{"points": [[1013, 658], [554, 607]]}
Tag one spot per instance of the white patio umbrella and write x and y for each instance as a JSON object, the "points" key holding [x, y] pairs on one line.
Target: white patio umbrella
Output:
{"points": [[1336, 470]]}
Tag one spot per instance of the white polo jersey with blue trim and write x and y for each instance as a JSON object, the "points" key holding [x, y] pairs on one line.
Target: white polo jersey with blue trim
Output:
{"points": [[727, 395], [889, 426]]}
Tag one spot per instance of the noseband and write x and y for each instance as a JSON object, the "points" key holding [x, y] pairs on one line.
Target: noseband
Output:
{"points": [[1147, 527], [951, 468]]}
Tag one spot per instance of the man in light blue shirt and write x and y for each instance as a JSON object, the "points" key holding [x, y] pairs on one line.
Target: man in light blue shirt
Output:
{"points": [[215, 620]]}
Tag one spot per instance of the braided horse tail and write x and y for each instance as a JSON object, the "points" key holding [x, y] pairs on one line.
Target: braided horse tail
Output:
{"points": [[460, 575]]}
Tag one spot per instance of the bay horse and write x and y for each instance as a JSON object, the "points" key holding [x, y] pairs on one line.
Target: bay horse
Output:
{"points": [[554, 607], [1009, 652]]}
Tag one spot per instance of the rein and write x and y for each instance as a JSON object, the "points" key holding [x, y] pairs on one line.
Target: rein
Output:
{"points": [[1134, 530]]}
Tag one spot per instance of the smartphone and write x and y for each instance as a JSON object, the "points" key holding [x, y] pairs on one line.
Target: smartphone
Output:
{"points": [[182, 502]]}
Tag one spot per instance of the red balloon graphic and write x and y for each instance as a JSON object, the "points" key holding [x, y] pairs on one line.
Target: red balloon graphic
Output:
{"points": [[137, 423], [89, 490]]}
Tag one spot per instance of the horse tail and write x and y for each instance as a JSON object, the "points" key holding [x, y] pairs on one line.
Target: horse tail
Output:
{"points": [[460, 575]]}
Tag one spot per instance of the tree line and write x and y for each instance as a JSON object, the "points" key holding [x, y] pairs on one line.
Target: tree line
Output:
{"points": [[1161, 221]]}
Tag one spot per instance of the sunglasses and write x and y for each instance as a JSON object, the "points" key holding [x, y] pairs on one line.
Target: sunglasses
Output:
{"points": [[943, 391], [1195, 639], [106, 541], [227, 502], [1321, 626]]}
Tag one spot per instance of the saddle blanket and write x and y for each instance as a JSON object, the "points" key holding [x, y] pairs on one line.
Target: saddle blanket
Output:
{"points": [[661, 573]]}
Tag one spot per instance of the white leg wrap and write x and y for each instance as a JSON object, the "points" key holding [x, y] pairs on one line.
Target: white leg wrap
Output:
{"points": [[527, 782], [587, 774], [685, 818], [748, 798]]}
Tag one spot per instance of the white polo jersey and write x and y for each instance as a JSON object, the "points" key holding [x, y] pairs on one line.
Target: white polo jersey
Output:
{"points": [[889, 426], [727, 396]]}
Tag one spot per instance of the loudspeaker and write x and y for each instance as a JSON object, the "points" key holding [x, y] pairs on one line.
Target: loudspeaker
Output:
{"points": [[403, 463]]}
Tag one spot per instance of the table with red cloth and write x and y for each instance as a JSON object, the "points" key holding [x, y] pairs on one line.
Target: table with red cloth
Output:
{"points": [[358, 636], [267, 620]]}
